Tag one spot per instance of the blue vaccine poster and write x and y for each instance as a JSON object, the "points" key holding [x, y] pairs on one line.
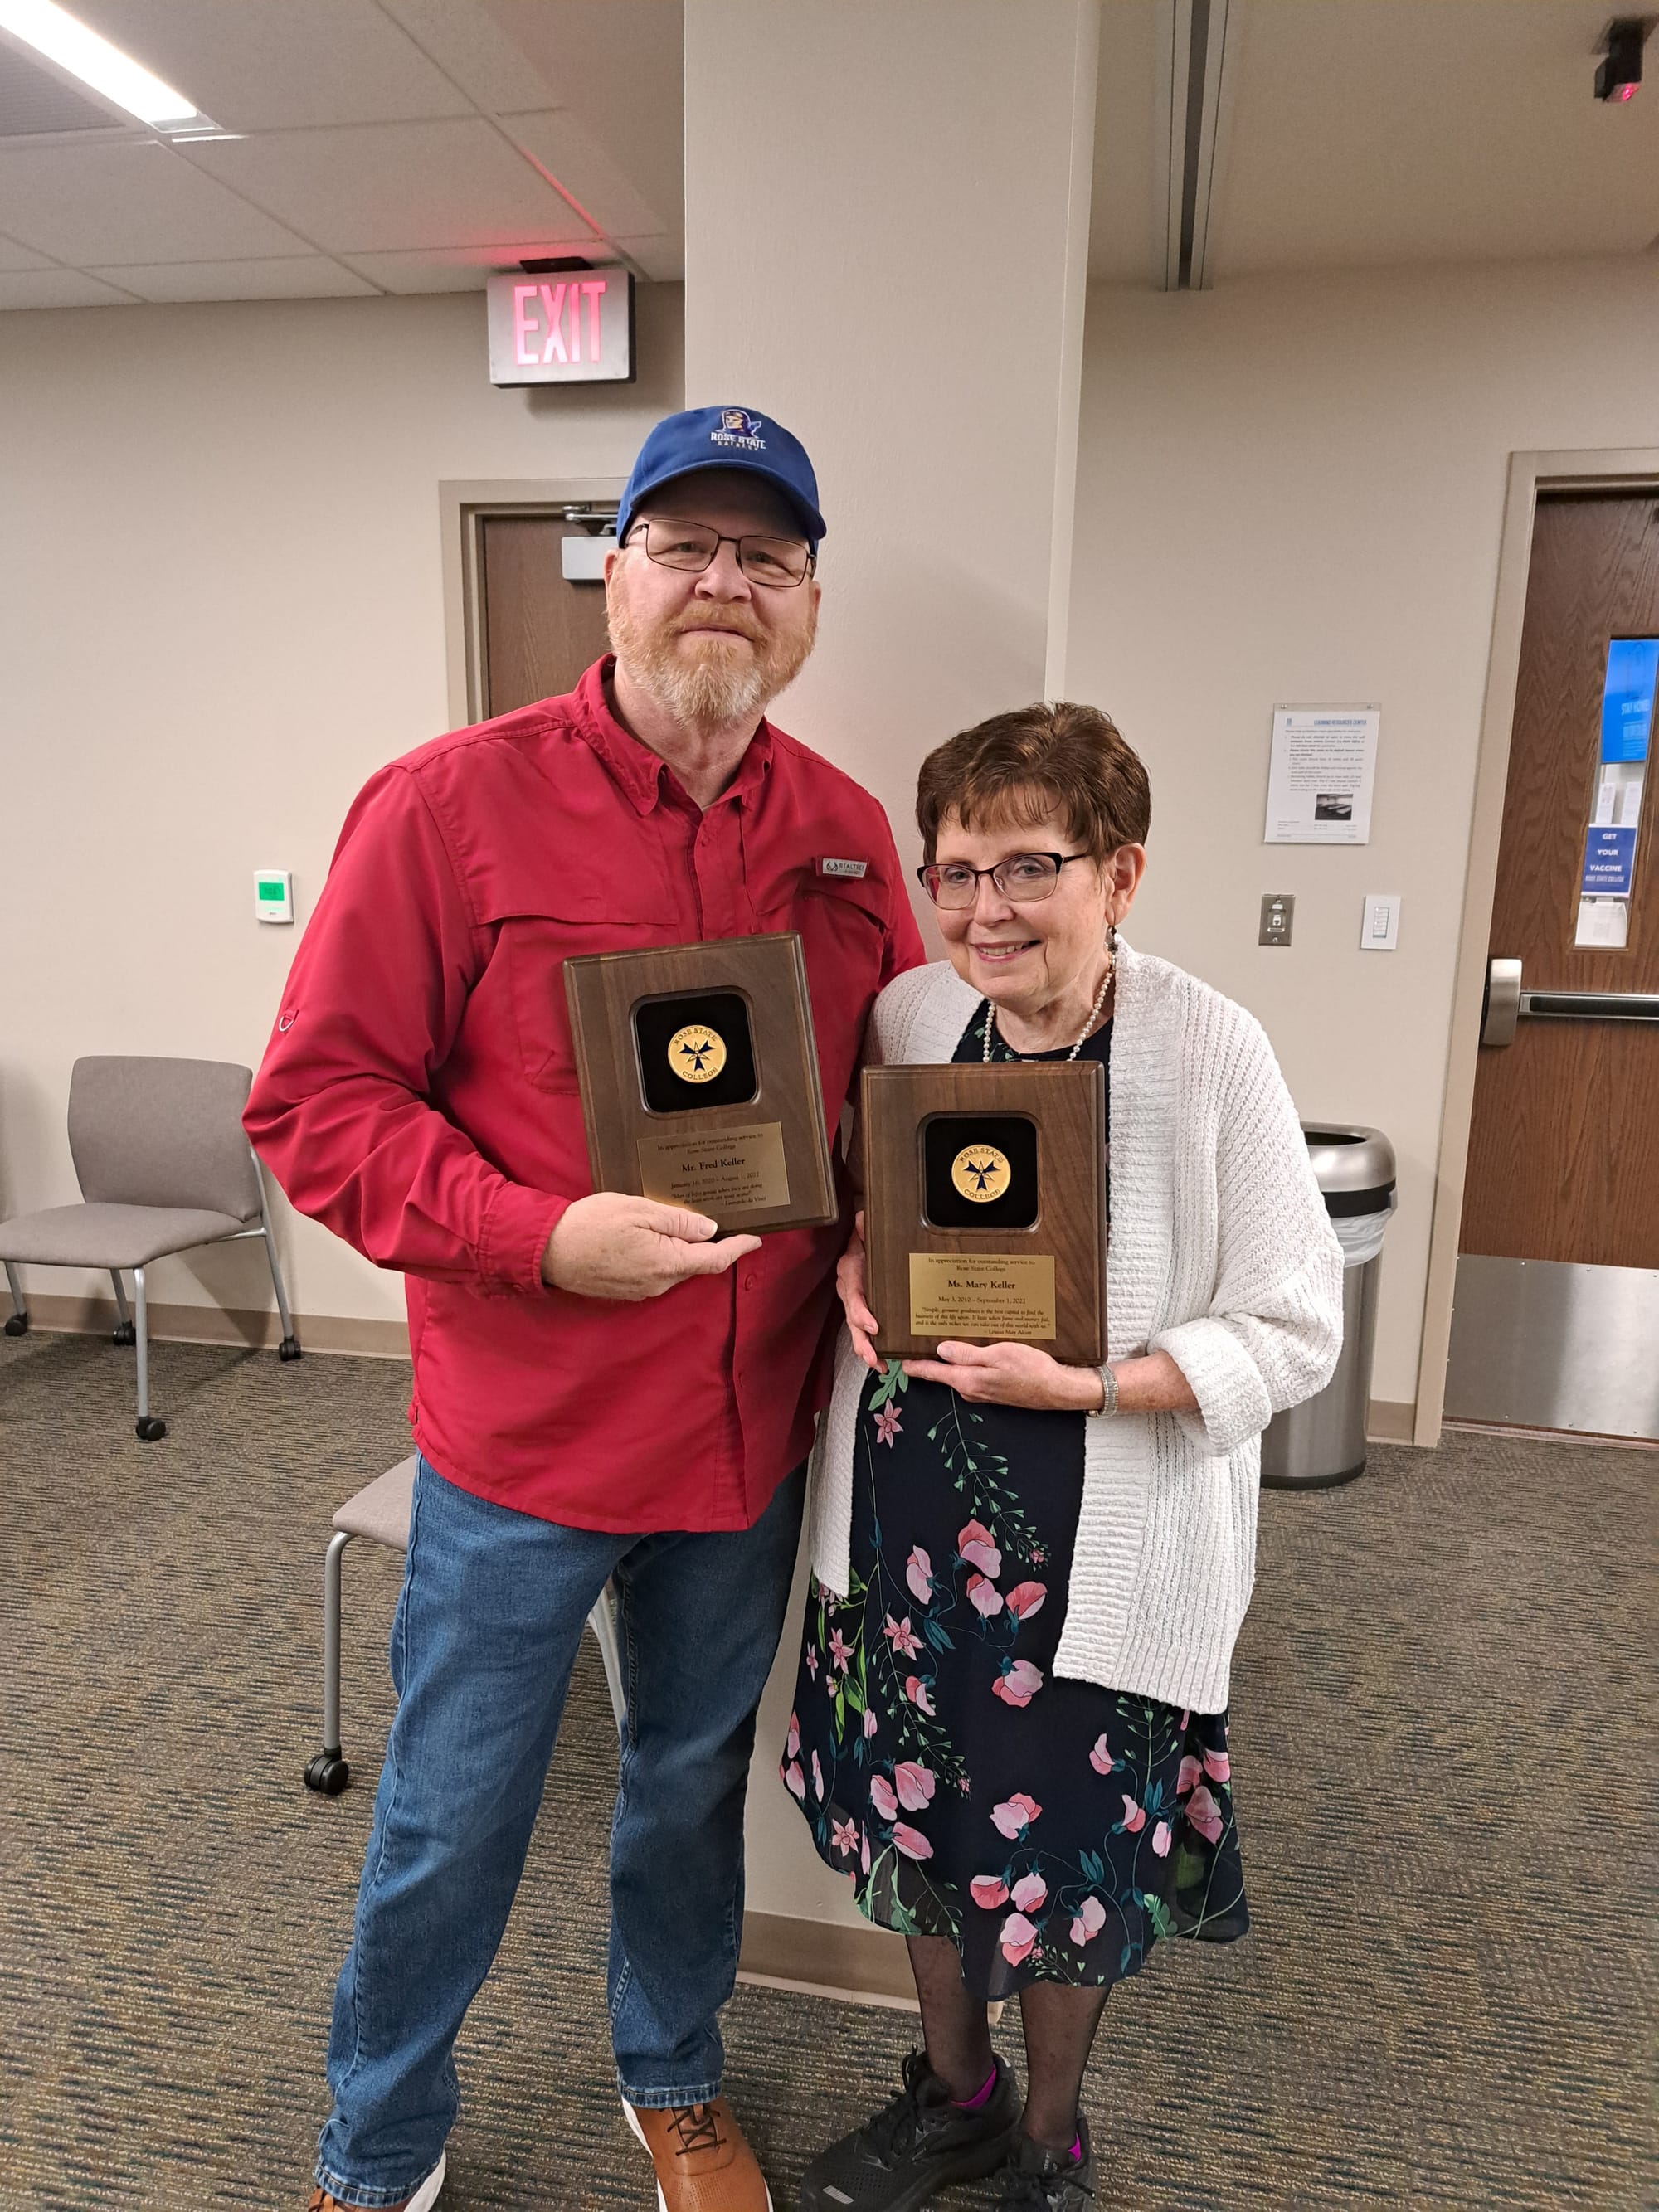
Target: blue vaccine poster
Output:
{"points": [[1627, 697], [1609, 862]]}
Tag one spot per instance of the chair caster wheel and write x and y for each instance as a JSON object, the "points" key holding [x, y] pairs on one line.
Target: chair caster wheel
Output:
{"points": [[327, 1773], [17, 1325], [150, 1429], [125, 1332], [290, 1348]]}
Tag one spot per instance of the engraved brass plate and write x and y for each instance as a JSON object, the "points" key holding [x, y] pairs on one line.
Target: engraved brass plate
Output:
{"points": [[1008, 1298], [697, 1052], [716, 1170], [980, 1172]]}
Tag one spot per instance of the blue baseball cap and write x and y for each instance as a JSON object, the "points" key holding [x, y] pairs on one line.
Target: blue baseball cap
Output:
{"points": [[725, 438]]}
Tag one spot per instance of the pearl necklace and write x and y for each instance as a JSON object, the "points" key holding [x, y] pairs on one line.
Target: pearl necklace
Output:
{"points": [[1094, 1016]]}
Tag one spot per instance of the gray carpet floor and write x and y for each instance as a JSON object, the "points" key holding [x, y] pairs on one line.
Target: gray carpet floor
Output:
{"points": [[1443, 1723]]}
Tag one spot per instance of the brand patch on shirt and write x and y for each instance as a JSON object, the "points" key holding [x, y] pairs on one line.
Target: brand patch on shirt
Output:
{"points": [[843, 867]]}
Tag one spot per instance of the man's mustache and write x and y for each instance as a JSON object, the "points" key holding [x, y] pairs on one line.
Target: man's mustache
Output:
{"points": [[708, 622]]}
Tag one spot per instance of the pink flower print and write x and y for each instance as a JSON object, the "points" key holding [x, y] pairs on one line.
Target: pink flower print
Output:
{"points": [[1101, 1756], [1090, 1919], [1026, 1598], [863, 1849], [916, 1785], [888, 1424], [1217, 1767], [795, 1781], [1185, 1720], [844, 1835], [812, 1661], [916, 1690], [1037, 1556], [977, 1547], [881, 1798], [1031, 1894], [911, 1841], [1189, 1776], [839, 1649], [902, 1636], [984, 1596], [988, 1890], [1134, 1816], [792, 1743], [918, 1573], [817, 1779], [1017, 1938], [1018, 1682], [869, 1721], [1204, 1814], [1161, 1840], [1015, 1815]]}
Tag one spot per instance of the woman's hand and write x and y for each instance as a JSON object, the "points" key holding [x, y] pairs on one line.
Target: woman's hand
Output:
{"points": [[1009, 1374], [861, 1323]]}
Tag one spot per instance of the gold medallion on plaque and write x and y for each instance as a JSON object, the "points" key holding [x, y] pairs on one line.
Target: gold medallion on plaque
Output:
{"points": [[980, 1172], [697, 1053]]}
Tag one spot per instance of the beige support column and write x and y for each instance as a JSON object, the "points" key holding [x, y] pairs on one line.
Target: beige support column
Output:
{"points": [[887, 207]]}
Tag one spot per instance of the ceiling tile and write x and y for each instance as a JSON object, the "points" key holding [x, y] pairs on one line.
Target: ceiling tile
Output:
{"points": [[14, 256], [58, 288], [35, 100], [137, 201], [662, 259], [300, 277], [391, 187], [264, 65], [468, 47], [462, 268], [564, 144]]}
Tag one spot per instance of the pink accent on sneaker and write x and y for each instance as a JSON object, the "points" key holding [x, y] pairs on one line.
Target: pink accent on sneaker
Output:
{"points": [[972, 2104], [1077, 2147]]}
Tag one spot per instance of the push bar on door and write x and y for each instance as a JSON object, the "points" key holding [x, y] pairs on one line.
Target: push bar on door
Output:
{"points": [[1506, 1002]]}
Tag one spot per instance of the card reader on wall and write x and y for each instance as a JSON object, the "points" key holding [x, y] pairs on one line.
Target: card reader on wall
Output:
{"points": [[273, 894]]}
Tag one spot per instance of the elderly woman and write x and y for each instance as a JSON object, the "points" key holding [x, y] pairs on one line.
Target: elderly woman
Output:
{"points": [[1011, 1722]]}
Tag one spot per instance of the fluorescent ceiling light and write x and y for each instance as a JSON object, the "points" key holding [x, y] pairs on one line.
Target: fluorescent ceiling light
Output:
{"points": [[53, 32]]}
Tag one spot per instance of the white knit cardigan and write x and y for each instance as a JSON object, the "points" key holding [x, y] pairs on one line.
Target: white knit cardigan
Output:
{"points": [[1221, 1254]]}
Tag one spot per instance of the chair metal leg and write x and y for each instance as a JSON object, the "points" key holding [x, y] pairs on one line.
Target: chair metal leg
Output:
{"points": [[603, 1622], [327, 1772], [17, 1323], [147, 1427], [123, 1332], [289, 1348]]}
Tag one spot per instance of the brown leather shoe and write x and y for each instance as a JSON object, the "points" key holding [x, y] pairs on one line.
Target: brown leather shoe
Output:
{"points": [[702, 2162], [424, 2197]]}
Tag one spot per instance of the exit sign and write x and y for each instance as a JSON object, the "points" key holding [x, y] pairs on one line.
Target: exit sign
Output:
{"points": [[573, 327]]}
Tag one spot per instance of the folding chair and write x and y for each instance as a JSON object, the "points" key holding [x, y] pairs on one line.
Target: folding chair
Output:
{"points": [[163, 1166], [381, 1512]]}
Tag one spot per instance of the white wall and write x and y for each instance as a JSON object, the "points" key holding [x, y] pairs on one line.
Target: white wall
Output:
{"points": [[1291, 490], [223, 612]]}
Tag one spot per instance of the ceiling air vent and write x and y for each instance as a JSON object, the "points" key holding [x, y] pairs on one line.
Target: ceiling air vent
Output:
{"points": [[35, 104]]}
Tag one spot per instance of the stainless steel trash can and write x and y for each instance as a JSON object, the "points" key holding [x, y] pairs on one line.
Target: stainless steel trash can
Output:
{"points": [[1322, 1441]]}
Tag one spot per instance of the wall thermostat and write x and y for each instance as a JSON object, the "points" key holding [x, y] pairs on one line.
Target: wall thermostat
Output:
{"points": [[273, 894]]}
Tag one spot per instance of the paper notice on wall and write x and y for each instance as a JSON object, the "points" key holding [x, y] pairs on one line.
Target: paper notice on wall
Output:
{"points": [[1319, 785]]}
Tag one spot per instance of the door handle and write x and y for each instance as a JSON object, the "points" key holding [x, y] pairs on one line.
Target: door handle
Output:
{"points": [[1505, 1002]]}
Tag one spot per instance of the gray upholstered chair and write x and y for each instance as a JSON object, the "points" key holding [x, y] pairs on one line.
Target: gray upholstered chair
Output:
{"points": [[163, 1167], [380, 1513]]}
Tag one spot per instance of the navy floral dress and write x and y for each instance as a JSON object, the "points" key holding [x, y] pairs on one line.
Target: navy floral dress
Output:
{"points": [[1052, 1829]]}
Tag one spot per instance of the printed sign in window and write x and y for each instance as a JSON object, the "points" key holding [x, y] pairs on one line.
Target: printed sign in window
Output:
{"points": [[1627, 697]]}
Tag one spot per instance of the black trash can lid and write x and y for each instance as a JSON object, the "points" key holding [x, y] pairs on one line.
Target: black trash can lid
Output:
{"points": [[1353, 1166]]}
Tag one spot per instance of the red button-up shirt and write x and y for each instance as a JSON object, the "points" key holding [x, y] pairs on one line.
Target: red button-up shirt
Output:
{"points": [[419, 1095]]}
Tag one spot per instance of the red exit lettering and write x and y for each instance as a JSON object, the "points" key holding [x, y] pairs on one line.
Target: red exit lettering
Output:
{"points": [[539, 321]]}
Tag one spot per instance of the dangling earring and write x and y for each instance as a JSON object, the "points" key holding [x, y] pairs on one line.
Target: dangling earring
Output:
{"points": [[1111, 946]]}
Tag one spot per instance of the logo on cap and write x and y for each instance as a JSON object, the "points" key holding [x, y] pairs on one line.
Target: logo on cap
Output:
{"points": [[738, 427]]}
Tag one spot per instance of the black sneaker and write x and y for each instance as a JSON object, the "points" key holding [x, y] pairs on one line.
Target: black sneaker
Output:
{"points": [[917, 2143], [1036, 2180]]}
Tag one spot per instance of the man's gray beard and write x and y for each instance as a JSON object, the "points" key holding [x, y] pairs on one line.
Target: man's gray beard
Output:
{"points": [[713, 688]]}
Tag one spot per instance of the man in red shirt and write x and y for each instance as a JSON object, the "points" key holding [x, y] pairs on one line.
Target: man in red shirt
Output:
{"points": [[604, 1388]]}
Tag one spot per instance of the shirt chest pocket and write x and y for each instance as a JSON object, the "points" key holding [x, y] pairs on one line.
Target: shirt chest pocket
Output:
{"points": [[535, 935]]}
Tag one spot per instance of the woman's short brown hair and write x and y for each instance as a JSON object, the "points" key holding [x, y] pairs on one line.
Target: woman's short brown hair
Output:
{"points": [[1058, 758]]}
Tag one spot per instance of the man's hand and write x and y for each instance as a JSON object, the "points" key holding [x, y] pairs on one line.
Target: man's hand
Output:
{"points": [[611, 1246], [861, 1323], [1013, 1375]]}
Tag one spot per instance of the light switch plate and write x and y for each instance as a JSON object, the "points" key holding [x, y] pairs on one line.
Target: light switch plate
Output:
{"points": [[1278, 912], [1379, 922]]}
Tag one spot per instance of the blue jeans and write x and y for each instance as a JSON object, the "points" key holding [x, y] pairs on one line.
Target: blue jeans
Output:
{"points": [[487, 1623]]}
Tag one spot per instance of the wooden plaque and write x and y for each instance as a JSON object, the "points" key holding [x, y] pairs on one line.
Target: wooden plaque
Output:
{"points": [[699, 1080], [985, 1206]]}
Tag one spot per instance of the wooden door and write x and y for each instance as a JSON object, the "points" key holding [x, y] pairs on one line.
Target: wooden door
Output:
{"points": [[1563, 1176], [538, 632]]}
